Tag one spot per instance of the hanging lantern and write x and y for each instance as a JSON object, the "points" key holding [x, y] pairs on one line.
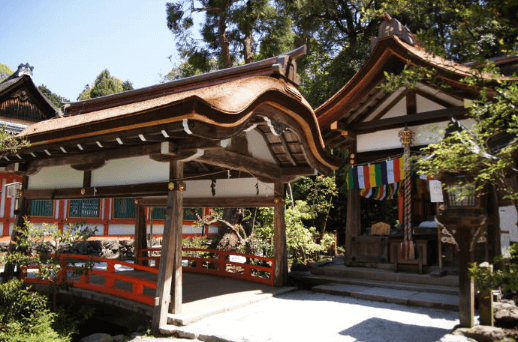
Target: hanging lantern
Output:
{"points": [[14, 190]]}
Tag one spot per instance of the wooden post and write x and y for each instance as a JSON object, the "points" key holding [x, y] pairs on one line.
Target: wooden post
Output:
{"points": [[22, 209], [140, 234], [466, 284], [169, 260], [280, 255], [352, 224]]}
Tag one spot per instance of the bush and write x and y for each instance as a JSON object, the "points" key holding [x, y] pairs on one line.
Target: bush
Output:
{"points": [[24, 315], [505, 275]]}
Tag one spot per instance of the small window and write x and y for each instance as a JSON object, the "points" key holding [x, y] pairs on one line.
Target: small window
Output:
{"points": [[158, 214], [188, 215], [84, 208], [124, 208], [42, 208]]}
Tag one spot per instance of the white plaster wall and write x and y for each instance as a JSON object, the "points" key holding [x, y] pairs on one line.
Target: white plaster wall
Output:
{"points": [[440, 94], [385, 103], [157, 228], [508, 220], [258, 147], [134, 170], [122, 229], [398, 110], [234, 187], [56, 177], [425, 105], [387, 139], [100, 228]]}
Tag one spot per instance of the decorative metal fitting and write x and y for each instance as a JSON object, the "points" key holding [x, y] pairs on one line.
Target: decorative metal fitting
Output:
{"points": [[406, 136], [83, 191]]}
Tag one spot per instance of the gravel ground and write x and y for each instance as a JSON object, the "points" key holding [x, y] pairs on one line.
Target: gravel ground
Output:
{"points": [[306, 316]]}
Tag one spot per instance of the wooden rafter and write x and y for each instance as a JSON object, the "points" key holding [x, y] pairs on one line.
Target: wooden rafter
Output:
{"points": [[416, 119]]}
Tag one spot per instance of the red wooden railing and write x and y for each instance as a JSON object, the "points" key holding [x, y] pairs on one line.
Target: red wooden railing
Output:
{"points": [[211, 261], [110, 277]]}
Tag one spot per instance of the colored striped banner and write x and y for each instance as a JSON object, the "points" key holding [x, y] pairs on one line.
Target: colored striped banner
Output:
{"points": [[372, 175]]}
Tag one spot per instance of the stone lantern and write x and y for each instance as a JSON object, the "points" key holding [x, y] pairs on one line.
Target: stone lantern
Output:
{"points": [[464, 215]]}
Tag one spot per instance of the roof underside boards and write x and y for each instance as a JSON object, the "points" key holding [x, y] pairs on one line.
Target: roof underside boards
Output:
{"points": [[251, 126]]}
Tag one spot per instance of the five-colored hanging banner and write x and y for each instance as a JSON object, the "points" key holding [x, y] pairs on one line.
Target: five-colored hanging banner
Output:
{"points": [[373, 175]]}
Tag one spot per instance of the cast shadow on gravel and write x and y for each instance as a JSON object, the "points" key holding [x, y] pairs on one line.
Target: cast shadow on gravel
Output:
{"points": [[382, 330]]}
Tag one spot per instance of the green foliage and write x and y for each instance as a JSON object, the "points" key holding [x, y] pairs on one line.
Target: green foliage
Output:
{"points": [[5, 72], [232, 31], [457, 29], [318, 193], [54, 98], [33, 245], [104, 84], [505, 275], [301, 241], [486, 150], [24, 315], [10, 143]]}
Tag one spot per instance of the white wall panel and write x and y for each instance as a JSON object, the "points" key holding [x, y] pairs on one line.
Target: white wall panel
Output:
{"points": [[258, 147], [388, 139], [136, 170], [236, 187], [56, 177], [425, 105]]}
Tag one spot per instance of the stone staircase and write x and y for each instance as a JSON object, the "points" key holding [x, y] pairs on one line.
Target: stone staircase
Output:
{"points": [[384, 285]]}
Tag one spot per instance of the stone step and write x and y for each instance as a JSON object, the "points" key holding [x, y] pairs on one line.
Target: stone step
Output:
{"points": [[357, 273], [315, 280], [389, 295]]}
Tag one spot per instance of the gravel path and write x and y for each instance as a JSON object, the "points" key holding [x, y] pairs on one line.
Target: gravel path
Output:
{"points": [[306, 316]]}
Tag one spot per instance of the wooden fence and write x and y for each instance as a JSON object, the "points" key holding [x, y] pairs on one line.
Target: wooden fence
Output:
{"points": [[221, 263], [104, 281]]}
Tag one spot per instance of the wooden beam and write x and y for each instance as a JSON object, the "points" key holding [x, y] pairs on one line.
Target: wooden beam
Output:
{"points": [[96, 157], [435, 99], [410, 120], [388, 107], [236, 161], [171, 254], [280, 254], [210, 202], [130, 190], [411, 103]]}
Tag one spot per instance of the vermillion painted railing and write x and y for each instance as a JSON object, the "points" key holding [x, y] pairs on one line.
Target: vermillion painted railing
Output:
{"points": [[110, 277], [211, 261]]}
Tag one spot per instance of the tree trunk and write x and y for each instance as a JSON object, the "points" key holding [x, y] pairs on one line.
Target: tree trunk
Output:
{"points": [[227, 239], [225, 44]]}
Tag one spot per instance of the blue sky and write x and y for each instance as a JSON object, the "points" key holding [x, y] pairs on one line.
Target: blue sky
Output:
{"points": [[70, 42]]}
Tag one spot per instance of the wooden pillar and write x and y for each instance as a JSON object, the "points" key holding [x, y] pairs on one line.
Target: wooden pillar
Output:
{"points": [[466, 284], [352, 225], [280, 255], [140, 242], [170, 269], [21, 211]]}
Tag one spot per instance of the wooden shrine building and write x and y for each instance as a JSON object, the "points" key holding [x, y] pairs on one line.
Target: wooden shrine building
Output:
{"points": [[230, 138], [367, 120]]}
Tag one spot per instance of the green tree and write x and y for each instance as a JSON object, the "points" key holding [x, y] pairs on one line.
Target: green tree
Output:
{"points": [[460, 30], [54, 98], [231, 32], [104, 84], [5, 72]]}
